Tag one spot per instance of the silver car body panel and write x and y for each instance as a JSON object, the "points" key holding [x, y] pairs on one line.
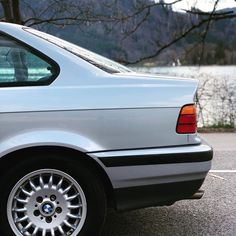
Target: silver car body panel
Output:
{"points": [[133, 176], [90, 131], [101, 114]]}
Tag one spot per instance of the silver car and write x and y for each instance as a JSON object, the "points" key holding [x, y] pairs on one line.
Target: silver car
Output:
{"points": [[81, 133]]}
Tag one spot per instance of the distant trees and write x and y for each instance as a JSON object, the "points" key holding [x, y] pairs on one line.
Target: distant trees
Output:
{"points": [[217, 54], [220, 53]]}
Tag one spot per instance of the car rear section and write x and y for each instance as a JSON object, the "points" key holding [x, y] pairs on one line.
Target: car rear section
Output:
{"points": [[170, 162], [141, 130]]}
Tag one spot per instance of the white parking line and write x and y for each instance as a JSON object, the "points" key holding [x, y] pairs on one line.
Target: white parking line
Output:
{"points": [[222, 171], [216, 176]]}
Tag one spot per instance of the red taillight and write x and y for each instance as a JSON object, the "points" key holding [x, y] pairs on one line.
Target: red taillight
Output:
{"points": [[187, 122]]}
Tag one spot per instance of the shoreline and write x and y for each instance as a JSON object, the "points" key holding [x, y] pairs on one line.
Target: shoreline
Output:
{"points": [[216, 130]]}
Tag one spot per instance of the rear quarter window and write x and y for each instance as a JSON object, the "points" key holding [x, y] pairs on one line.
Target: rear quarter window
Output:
{"points": [[21, 65]]}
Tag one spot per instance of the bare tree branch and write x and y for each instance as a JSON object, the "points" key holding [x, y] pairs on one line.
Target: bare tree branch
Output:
{"points": [[61, 13], [138, 25], [102, 18], [207, 29], [181, 36]]}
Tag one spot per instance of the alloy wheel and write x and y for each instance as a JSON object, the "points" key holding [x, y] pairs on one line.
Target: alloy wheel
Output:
{"points": [[47, 202]]}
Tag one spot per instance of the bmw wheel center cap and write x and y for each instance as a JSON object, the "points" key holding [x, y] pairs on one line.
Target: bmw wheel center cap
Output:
{"points": [[47, 208]]}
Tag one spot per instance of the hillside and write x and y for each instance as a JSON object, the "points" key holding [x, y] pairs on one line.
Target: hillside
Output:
{"points": [[117, 40]]}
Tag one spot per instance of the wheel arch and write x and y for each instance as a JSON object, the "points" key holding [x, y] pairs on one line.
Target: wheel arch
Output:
{"points": [[10, 159]]}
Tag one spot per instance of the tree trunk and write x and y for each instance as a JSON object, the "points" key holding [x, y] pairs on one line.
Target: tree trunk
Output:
{"points": [[11, 10], [16, 11]]}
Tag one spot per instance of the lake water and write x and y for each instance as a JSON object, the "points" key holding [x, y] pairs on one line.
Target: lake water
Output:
{"points": [[216, 93], [202, 72]]}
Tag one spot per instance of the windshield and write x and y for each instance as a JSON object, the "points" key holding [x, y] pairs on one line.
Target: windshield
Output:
{"points": [[91, 57]]}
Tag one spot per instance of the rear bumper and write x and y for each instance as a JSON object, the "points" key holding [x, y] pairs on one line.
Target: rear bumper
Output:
{"points": [[155, 195], [157, 176]]}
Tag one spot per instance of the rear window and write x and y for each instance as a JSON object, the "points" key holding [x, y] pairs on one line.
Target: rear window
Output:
{"points": [[91, 57]]}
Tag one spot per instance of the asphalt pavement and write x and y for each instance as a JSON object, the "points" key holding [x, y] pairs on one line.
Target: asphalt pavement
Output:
{"points": [[213, 215]]}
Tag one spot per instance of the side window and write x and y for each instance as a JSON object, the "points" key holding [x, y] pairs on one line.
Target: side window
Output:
{"points": [[21, 66]]}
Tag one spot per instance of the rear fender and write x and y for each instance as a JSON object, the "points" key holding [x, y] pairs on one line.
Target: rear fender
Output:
{"points": [[47, 138]]}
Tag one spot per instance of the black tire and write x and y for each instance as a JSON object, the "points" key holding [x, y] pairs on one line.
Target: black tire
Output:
{"points": [[79, 170]]}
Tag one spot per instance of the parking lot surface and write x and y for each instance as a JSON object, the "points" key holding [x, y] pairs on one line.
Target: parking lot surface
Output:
{"points": [[214, 214]]}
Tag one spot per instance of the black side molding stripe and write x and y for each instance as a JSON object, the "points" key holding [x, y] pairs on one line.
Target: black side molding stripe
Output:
{"points": [[156, 159]]}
